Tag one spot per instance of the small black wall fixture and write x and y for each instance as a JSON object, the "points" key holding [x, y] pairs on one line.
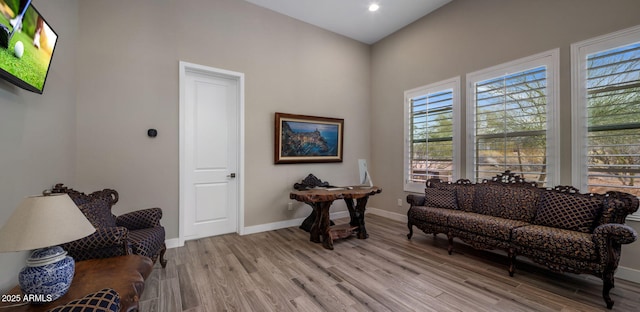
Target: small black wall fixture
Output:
{"points": [[152, 133]]}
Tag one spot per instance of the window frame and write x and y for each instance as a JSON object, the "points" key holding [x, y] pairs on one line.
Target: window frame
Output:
{"points": [[454, 85], [579, 53], [550, 59]]}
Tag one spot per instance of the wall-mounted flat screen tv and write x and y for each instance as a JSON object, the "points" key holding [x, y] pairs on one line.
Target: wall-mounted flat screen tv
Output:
{"points": [[26, 45]]}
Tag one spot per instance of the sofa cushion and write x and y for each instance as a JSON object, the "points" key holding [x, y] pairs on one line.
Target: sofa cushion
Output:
{"points": [[516, 202], [563, 242], [432, 215], [568, 211], [440, 198], [464, 194], [494, 227], [103, 300], [98, 211]]}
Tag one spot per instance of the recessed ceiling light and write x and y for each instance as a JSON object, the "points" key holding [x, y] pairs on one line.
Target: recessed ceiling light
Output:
{"points": [[374, 7]]}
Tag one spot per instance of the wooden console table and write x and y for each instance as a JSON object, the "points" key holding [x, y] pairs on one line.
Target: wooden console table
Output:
{"points": [[125, 274], [321, 200]]}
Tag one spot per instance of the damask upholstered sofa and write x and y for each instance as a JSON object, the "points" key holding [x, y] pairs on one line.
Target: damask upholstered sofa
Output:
{"points": [[138, 232], [560, 228]]}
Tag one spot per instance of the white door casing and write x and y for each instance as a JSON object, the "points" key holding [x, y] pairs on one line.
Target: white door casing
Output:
{"points": [[211, 151]]}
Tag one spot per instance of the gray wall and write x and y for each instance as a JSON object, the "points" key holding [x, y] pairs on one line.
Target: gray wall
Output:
{"points": [[128, 82], [468, 35], [37, 132]]}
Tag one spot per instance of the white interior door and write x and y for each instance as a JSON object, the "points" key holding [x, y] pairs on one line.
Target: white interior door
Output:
{"points": [[210, 148]]}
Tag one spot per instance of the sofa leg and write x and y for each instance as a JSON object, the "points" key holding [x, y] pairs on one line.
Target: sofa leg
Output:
{"points": [[163, 261], [450, 248], [410, 226], [512, 262], [607, 279]]}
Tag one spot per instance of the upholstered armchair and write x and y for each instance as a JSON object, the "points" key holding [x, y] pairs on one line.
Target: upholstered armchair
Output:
{"points": [[138, 232]]}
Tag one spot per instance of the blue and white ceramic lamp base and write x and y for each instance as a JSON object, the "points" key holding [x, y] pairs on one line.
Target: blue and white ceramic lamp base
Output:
{"points": [[48, 274]]}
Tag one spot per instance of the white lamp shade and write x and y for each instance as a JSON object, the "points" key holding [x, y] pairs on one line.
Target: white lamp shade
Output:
{"points": [[44, 221]]}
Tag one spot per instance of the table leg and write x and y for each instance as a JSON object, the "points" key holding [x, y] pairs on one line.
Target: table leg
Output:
{"points": [[361, 204], [321, 225], [315, 226], [353, 215], [308, 221]]}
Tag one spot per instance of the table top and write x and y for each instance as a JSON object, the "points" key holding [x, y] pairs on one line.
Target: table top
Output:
{"points": [[321, 194], [125, 274]]}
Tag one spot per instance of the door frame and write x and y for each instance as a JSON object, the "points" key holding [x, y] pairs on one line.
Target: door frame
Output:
{"points": [[186, 67]]}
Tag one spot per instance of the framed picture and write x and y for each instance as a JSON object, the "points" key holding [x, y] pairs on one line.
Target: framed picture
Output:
{"points": [[308, 139]]}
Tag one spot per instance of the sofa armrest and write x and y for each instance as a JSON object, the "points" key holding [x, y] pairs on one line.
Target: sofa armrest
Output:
{"points": [[140, 219], [103, 238], [619, 233], [609, 238], [415, 200]]}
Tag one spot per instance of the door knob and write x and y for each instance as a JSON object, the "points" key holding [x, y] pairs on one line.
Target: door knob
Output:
{"points": [[232, 175]]}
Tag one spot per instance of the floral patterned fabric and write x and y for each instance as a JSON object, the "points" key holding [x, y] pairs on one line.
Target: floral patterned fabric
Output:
{"points": [[489, 226], [568, 243], [506, 201], [480, 241], [432, 214], [619, 233], [465, 194], [608, 238], [560, 263], [431, 228], [617, 205]]}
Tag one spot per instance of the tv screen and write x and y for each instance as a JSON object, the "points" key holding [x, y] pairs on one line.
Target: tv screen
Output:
{"points": [[26, 45]]}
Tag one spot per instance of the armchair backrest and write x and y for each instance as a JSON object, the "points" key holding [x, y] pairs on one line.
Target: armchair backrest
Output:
{"points": [[95, 206]]}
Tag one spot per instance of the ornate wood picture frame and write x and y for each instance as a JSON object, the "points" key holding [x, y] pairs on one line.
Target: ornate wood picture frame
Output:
{"points": [[307, 139]]}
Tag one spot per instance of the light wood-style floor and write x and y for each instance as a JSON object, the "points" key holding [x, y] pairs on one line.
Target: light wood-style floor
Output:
{"points": [[283, 271]]}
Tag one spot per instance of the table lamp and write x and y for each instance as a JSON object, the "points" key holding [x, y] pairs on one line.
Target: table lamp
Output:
{"points": [[42, 223]]}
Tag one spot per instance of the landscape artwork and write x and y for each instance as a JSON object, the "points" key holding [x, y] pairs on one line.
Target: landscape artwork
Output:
{"points": [[306, 139]]}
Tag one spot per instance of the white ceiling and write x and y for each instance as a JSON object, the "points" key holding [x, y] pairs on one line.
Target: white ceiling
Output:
{"points": [[351, 18]]}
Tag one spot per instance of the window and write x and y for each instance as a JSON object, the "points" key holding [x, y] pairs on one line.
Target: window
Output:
{"points": [[431, 133], [606, 113], [511, 116]]}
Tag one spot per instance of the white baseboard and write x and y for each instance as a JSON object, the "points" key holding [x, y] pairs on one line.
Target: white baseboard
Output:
{"points": [[628, 274], [173, 243], [387, 214], [285, 224], [336, 215]]}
